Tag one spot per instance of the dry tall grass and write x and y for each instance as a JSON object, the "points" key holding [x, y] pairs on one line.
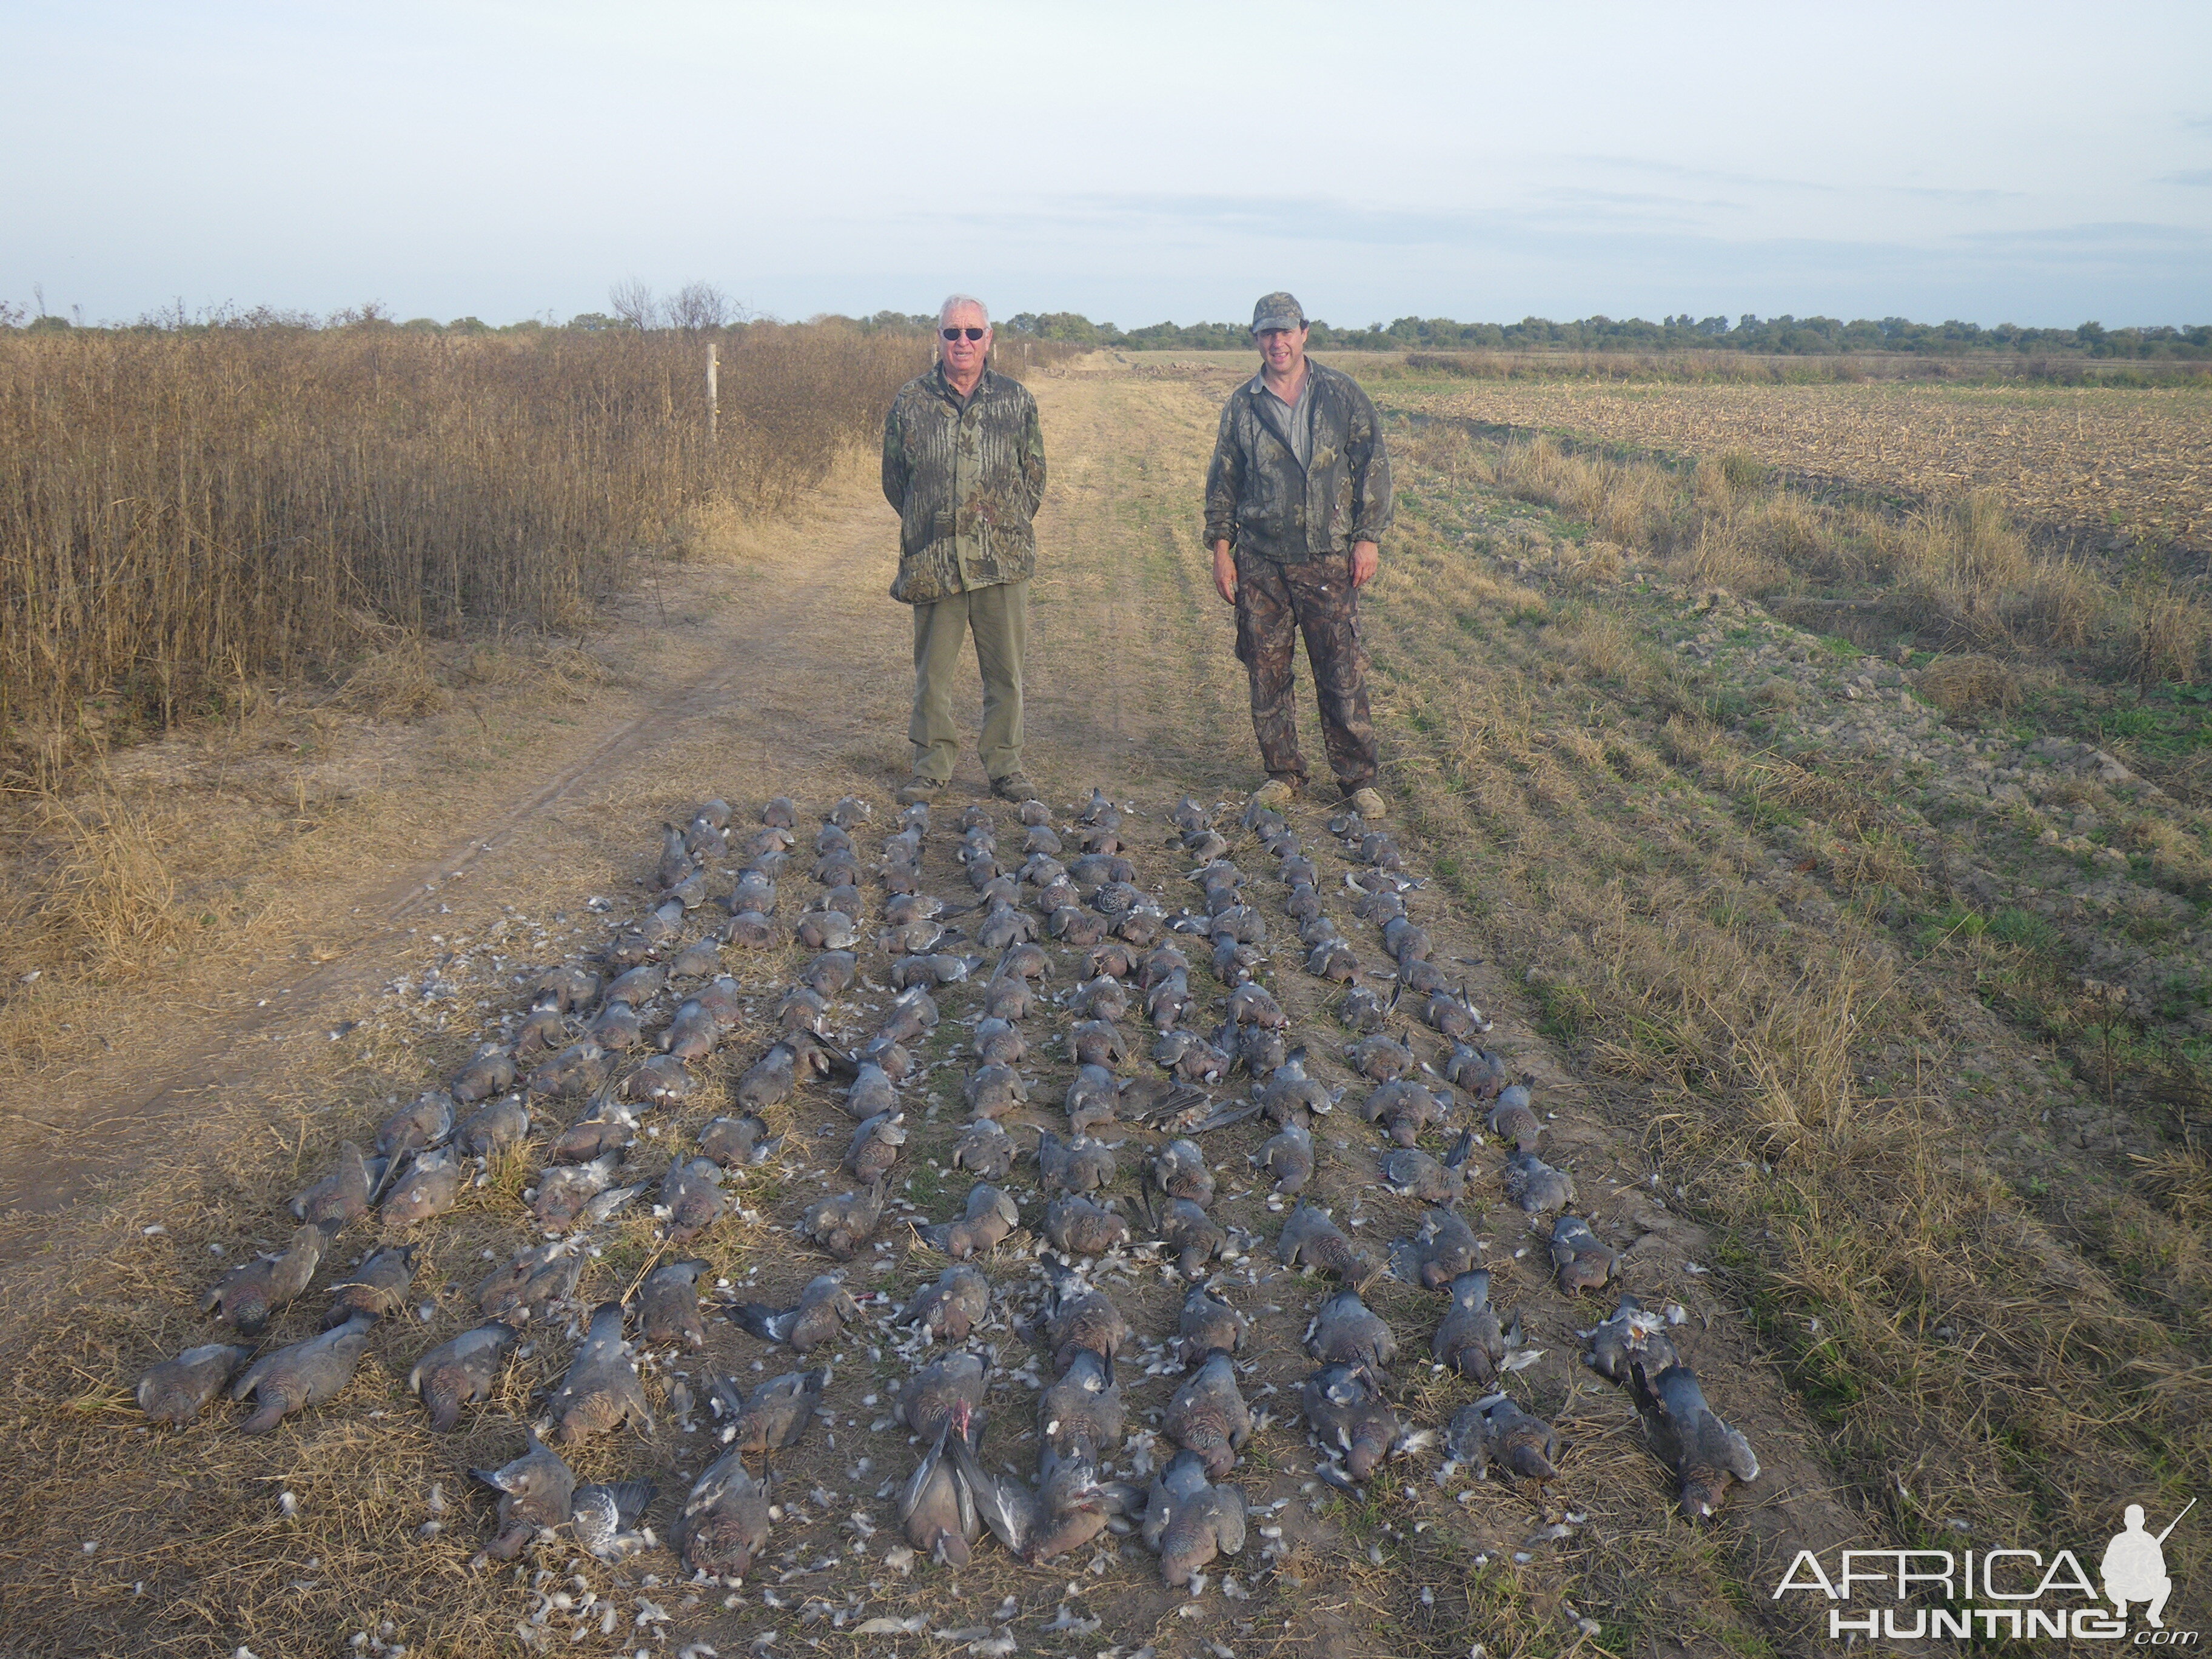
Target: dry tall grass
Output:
{"points": [[1959, 575], [183, 511]]}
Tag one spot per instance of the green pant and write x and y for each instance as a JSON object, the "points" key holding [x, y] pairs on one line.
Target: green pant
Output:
{"points": [[1000, 618]]}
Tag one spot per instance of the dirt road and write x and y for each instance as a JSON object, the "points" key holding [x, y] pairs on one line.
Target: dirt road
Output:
{"points": [[784, 669]]}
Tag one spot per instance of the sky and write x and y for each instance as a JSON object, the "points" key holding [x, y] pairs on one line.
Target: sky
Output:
{"points": [[1137, 162]]}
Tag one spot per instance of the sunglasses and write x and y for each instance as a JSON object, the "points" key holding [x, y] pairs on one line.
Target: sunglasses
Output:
{"points": [[971, 333]]}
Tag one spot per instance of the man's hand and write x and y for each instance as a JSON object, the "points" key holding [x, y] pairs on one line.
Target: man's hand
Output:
{"points": [[1224, 571], [1367, 560]]}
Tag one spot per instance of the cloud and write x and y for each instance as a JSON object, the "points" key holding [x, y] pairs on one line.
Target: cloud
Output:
{"points": [[1811, 186], [2192, 176]]}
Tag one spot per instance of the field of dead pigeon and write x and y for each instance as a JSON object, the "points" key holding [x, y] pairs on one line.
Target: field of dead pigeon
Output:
{"points": [[1647, 979]]}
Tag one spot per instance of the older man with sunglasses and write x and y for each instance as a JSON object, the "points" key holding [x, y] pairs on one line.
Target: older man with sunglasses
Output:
{"points": [[963, 463]]}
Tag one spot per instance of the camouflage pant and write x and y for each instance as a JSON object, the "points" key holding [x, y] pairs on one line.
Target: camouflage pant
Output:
{"points": [[1276, 602]]}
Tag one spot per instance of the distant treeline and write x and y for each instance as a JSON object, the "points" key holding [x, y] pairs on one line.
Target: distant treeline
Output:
{"points": [[1772, 335], [700, 309]]}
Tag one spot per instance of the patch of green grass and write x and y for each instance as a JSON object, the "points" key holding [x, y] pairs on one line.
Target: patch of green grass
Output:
{"points": [[2014, 925]]}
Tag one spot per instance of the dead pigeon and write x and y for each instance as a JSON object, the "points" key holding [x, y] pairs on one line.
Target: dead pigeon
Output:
{"points": [[1077, 1317], [841, 1225], [1441, 1249], [929, 1399], [1080, 1227], [1350, 1419], [1208, 1322], [1188, 1522], [824, 1309], [535, 1491], [1082, 1165], [1705, 1453], [536, 1279], [492, 1129], [874, 1147], [609, 1126], [246, 1296], [1288, 1156], [775, 1415], [1496, 1431], [984, 1149], [949, 1308], [993, 1091], [1469, 1339], [1178, 1170], [1583, 1261], [378, 1287], [344, 1194], [490, 1073], [1634, 1334], [1068, 1509], [306, 1374], [1083, 1407], [564, 1193], [1512, 1118], [174, 1391], [989, 1217], [1412, 1173], [724, 1523], [737, 1142], [1347, 1331], [600, 1391], [1207, 1415], [936, 1509], [1093, 1098], [1195, 1236], [668, 1304], [460, 1372], [1534, 1185], [1310, 1239], [604, 1518]]}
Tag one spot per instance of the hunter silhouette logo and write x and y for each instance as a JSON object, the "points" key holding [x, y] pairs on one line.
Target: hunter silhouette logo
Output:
{"points": [[2134, 1567]]}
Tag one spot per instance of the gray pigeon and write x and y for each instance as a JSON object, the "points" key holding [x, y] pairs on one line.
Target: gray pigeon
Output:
{"points": [[1310, 1239], [1469, 1339], [989, 1217], [430, 1187], [1583, 1261], [604, 1517], [1347, 1331], [774, 1416], [1534, 1185], [936, 1509], [725, 1520], [1633, 1334], [600, 1391], [1083, 1405], [668, 1304], [984, 1149], [1705, 1453], [1207, 1415], [1188, 1522], [1441, 1249], [246, 1296], [344, 1193], [460, 1372], [1208, 1322], [1350, 1419], [377, 1287], [1496, 1430], [954, 1305], [1076, 1317], [535, 1492], [174, 1391], [822, 1311], [306, 1374]]}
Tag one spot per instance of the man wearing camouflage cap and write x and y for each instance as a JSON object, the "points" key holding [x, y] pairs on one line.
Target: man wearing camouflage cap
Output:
{"points": [[1298, 502]]}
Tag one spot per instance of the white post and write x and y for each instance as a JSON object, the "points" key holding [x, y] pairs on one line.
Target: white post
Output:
{"points": [[714, 391]]}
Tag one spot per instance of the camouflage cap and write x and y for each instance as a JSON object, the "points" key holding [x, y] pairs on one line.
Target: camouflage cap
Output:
{"points": [[1277, 311]]}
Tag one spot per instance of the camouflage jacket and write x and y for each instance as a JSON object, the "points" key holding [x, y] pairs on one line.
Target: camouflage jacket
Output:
{"points": [[1260, 499], [966, 482]]}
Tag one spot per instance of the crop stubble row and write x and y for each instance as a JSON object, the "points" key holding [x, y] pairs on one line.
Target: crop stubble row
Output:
{"points": [[2139, 460]]}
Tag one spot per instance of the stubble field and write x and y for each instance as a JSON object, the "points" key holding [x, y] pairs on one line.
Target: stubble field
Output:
{"points": [[1788, 947]]}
